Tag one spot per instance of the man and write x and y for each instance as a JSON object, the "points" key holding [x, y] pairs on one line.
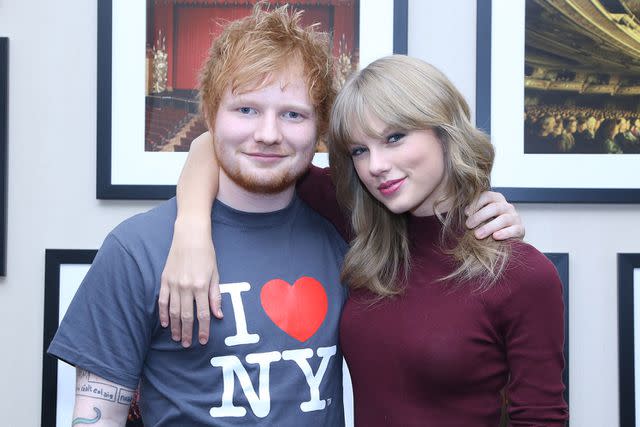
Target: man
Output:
{"points": [[544, 140], [625, 140], [585, 136], [274, 359]]}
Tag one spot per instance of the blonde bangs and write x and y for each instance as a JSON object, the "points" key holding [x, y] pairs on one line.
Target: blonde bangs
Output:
{"points": [[348, 119], [352, 116], [366, 97]]}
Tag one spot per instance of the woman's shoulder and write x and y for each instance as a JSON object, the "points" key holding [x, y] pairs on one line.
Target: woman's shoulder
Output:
{"points": [[525, 258], [528, 275], [529, 288]]}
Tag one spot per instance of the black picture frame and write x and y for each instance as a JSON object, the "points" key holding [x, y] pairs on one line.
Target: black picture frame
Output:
{"points": [[627, 264], [483, 121], [400, 26], [105, 188], [54, 260], [561, 263], [4, 136]]}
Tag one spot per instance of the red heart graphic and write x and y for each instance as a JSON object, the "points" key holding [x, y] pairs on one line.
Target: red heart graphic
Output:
{"points": [[299, 310]]}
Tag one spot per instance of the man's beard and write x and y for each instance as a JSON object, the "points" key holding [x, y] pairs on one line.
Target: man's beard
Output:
{"points": [[266, 183]]}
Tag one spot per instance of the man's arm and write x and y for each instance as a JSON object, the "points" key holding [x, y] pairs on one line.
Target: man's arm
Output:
{"points": [[100, 402]]}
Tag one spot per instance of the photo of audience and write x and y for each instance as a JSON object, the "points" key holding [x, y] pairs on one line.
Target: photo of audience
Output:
{"points": [[581, 92], [550, 129]]}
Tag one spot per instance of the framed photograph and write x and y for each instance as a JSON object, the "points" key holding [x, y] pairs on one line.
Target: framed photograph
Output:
{"points": [[4, 135], [64, 271], [558, 84], [149, 56], [561, 262], [628, 339]]}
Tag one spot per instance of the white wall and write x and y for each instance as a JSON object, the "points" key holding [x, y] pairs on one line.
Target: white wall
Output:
{"points": [[52, 196], [52, 177], [443, 33]]}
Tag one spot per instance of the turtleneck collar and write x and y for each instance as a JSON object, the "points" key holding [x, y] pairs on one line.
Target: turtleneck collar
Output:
{"points": [[428, 228]]}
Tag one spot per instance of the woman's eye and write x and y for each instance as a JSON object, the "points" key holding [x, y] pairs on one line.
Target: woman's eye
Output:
{"points": [[395, 137], [246, 110], [356, 151]]}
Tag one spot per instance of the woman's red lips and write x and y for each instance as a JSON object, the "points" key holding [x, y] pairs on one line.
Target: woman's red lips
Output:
{"points": [[389, 187]]}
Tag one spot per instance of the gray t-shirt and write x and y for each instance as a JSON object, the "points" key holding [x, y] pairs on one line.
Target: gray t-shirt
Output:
{"points": [[273, 360]]}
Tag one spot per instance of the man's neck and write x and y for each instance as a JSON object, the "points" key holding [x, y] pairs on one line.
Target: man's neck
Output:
{"points": [[237, 197]]}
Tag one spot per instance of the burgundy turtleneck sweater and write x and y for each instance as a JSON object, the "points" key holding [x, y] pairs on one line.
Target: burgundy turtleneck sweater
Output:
{"points": [[440, 355]]}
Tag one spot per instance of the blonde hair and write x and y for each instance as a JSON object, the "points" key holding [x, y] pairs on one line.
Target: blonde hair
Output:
{"points": [[408, 94], [250, 50]]}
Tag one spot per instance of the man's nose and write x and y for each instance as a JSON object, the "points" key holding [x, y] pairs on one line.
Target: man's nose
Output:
{"points": [[268, 129]]}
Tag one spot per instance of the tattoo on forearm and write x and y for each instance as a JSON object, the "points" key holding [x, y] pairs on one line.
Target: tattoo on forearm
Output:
{"points": [[125, 396], [94, 420], [87, 385]]}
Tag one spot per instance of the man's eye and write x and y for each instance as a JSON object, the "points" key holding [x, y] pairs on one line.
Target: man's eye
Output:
{"points": [[356, 151], [246, 110], [292, 115], [395, 137]]}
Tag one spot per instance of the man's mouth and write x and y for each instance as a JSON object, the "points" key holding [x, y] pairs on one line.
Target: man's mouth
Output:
{"points": [[266, 157]]}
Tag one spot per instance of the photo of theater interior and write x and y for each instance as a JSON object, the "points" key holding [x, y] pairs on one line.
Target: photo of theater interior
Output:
{"points": [[582, 77], [179, 33]]}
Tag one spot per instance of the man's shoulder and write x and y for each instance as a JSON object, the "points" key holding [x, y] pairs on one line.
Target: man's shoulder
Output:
{"points": [[151, 226]]}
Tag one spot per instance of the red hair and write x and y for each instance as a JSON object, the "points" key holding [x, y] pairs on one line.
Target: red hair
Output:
{"points": [[250, 50]]}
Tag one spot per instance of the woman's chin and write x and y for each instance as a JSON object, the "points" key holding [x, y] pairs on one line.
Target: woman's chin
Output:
{"points": [[395, 208]]}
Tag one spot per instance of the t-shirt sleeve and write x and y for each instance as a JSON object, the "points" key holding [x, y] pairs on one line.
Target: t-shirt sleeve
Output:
{"points": [[318, 191], [533, 325], [107, 326]]}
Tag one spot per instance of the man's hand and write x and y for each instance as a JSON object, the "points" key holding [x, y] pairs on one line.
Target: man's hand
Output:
{"points": [[498, 217], [190, 274]]}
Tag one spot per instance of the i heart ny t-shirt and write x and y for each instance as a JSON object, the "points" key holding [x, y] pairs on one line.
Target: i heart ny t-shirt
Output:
{"points": [[273, 359]]}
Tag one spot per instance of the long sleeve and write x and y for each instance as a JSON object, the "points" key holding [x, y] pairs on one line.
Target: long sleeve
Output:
{"points": [[318, 191], [532, 322]]}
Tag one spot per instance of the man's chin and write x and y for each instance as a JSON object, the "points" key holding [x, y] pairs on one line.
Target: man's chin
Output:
{"points": [[272, 185], [268, 188], [267, 179]]}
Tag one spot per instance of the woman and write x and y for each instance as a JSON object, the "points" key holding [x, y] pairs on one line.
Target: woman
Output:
{"points": [[438, 324], [471, 317], [606, 137]]}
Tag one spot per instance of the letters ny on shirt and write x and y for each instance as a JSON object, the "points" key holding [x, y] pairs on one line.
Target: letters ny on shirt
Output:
{"points": [[297, 310]]}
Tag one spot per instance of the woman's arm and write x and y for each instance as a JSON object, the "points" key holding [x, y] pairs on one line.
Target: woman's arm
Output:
{"points": [[317, 190], [190, 272], [531, 318], [492, 215]]}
